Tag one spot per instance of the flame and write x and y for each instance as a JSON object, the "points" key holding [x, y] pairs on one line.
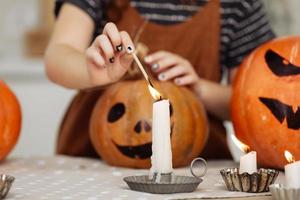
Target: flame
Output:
{"points": [[154, 93], [289, 157], [245, 148]]}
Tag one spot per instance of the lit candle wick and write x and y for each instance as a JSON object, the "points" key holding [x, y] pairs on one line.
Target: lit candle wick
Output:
{"points": [[289, 157], [245, 148], [154, 93]]}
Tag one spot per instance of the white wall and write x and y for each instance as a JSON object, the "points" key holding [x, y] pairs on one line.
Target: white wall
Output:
{"points": [[284, 16], [16, 17]]}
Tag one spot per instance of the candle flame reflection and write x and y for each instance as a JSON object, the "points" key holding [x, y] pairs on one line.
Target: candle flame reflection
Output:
{"points": [[289, 157], [154, 93], [245, 148]]}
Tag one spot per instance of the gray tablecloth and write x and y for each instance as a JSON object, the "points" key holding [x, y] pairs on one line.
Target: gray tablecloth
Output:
{"points": [[62, 177]]}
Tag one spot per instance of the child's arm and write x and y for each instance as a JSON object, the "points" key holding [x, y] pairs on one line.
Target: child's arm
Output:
{"points": [[72, 63]]}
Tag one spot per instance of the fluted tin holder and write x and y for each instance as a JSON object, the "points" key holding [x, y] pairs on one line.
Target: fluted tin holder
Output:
{"points": [[280, 192], [252, 183], [5, 183], [168, 183]]}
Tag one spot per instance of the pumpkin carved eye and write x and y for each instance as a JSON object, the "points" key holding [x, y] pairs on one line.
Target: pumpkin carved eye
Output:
{"points": [[116, 112], [279, 65]]}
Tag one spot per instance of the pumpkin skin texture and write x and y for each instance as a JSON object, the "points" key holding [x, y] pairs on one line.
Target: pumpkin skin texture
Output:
{"points": [[10, 120], [121, 121], [265, 103]]}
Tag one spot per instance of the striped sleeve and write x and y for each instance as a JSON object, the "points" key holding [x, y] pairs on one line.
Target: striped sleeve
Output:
{"points": [[92, 7], [249, 31]]}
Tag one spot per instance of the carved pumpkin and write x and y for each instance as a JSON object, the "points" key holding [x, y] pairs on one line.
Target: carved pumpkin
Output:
{"points": [[120, 126], [266, 101], [10, 120]]}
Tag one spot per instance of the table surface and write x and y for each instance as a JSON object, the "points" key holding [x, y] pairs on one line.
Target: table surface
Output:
{"points": [[61, 177]]}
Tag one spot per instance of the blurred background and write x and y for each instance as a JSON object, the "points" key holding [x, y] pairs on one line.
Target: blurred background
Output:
{"points": [[25, 27]]}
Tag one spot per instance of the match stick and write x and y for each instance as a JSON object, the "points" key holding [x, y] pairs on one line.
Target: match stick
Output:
{"points": [[139, 64], [154, 93]]}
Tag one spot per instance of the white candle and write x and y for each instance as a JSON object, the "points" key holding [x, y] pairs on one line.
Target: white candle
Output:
{"points": [[292, 174], [292, 171], [161, 159], [248, 163]]}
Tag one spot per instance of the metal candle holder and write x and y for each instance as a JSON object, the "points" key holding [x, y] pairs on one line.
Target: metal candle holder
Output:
{"points": [[279, 192], [253, 183], [6, 182], [169, 183]]}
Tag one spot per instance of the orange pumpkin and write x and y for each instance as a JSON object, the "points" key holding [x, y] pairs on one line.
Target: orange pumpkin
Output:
{"points": [[10, 120], [120, 126], [266, 101]]}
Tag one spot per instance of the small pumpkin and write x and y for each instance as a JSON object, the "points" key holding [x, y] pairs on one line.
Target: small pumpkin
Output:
{"points": [[266, 101], [120, 126], [10, 120]]}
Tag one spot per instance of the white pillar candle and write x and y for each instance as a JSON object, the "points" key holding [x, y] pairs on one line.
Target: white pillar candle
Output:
{"points": [[248, 163], [292, 174], [161, 159]]}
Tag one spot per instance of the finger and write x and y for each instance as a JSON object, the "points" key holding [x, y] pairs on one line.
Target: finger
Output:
{"points": [[113, 34], [172, 73], [165, 63], [105, 46], [126, 41], [129, 48], [184, 80], [152, 58], [96, 58]]}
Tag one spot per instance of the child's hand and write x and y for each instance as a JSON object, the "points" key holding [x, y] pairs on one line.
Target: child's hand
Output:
{"points": [[170, 66], [107, 60]]}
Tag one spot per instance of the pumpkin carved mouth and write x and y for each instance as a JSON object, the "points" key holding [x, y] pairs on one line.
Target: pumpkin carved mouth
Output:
{"points": [[143, 151], [283, 111]]}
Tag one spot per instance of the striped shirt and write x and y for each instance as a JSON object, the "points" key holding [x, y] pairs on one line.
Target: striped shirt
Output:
{"points": [[244, 24]]}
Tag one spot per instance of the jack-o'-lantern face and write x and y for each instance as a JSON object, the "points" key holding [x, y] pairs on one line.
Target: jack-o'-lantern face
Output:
{"points": [[141, 128], [266, 101], [282, 67], [122, 120]]}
